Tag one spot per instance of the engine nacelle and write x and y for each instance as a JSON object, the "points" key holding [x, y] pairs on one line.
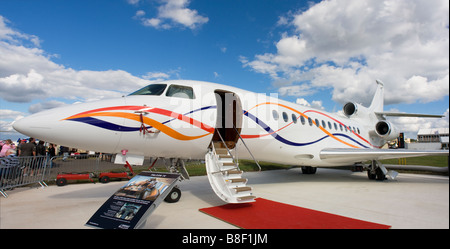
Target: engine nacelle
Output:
{"points": [[350, 109], [386, 130], [353, 110]]}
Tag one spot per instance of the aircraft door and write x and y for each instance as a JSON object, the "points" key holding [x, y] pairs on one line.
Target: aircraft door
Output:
{"points": [[229, 117]]}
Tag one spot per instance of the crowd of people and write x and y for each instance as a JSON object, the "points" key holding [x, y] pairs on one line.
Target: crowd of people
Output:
{"points": [[26, 148], [10, 153]]}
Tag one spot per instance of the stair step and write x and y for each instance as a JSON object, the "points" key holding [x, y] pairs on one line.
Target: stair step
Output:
{"points": [[219, 145], [233, 172], [228, 164], [221, 150], [235, 180], [246, 198], [225, 176], [242, 189]]}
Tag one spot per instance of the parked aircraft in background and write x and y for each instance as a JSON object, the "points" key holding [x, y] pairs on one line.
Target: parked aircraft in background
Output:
{"points": [[183, 119]]}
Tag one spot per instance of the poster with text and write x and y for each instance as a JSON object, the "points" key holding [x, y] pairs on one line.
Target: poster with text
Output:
{"points": [[128, 205]]}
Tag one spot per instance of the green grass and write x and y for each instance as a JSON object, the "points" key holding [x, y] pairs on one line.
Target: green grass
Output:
{"points": [[199, 169], [196, 168], [437, 161]]}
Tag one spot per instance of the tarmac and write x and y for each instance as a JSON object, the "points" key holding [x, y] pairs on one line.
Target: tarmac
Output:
{"points": [[411, 201]]}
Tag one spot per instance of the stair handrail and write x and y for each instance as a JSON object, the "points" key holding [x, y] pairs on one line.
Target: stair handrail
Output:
{"points": [[226, 147], [243, 142]]}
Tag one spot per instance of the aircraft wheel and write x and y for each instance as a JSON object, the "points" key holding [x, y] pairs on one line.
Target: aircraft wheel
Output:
{"points": [[104, 179], [371, 175], [61, 181], [308, 170], [380, 175], [173, 196]]}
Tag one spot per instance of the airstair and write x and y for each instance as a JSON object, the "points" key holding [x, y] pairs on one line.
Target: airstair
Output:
{"points": [[225, 176]]}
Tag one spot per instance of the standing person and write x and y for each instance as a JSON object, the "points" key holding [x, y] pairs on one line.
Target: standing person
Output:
{"points": [[6, 145], [51, 150], [28, 149], [40, 149]]}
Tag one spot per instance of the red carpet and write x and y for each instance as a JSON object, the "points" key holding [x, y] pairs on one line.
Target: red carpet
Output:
{"points": [[266, 214]]}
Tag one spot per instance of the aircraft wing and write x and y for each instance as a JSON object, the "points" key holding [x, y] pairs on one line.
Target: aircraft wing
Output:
{"points": [[350, 155], [401, 114]]}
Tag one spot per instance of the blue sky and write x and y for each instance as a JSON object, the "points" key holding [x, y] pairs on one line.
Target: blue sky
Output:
{"points": [[318, 53]]}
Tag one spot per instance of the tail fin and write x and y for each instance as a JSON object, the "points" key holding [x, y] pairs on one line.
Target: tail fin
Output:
{"points": [[377, 104]]}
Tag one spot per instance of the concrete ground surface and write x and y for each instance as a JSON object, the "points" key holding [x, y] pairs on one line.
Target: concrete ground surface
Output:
{"points": [[412, 201]]}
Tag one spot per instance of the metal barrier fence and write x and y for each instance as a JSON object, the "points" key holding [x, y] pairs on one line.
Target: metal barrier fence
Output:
{"points": [[90, 164], [20, 171]]}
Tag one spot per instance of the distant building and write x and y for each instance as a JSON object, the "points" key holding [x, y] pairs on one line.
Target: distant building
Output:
{"points": [[434, 136]]}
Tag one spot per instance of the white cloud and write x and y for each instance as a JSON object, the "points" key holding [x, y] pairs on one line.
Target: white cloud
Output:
{"points": [[10, 114], [173, 13], [10, 35], [7, 118], [134, 2], [410, 126], [27, 73], [317, 104], [156, 76], [45, 106], [297, 90], [345, 45]]}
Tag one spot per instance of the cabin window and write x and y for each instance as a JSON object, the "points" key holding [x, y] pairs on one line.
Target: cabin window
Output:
{"points": [[302, 119], [294, 118], [358, 130], [324, 125], [329, 125], [317, 122], [154, 89], [275, 115], [185, 92], [310, 121], [340, 126], [335, 126], [285, 117]]}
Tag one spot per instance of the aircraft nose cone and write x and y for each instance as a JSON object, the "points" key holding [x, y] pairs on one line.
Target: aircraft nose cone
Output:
{"points": [[34, 125], [20, 125]]}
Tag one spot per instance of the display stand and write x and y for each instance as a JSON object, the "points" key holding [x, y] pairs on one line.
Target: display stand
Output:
{"points": [[130, 206]]}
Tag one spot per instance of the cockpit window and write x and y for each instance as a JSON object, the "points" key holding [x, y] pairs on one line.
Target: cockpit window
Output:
{"points": [[154, 89], [180, 92]]}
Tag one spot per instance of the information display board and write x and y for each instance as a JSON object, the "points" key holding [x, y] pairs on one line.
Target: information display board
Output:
{"points": [[130, 206]]}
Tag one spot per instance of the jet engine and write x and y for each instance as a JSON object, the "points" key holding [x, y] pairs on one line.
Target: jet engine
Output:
{"points": [[386, 130], [350, 109], [355, 110]]}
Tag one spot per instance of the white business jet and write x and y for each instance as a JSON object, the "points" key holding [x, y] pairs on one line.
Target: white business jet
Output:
{"points": [[181, 120]]}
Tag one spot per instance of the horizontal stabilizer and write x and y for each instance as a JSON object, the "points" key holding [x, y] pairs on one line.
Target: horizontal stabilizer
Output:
{"points": [[401, 114], [358, 155]]}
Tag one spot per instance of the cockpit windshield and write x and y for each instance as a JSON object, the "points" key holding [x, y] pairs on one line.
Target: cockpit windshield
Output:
{"points": [[153, 89]]}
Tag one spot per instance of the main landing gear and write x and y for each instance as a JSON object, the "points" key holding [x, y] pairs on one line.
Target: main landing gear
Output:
{"points": [[377, 171]]}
